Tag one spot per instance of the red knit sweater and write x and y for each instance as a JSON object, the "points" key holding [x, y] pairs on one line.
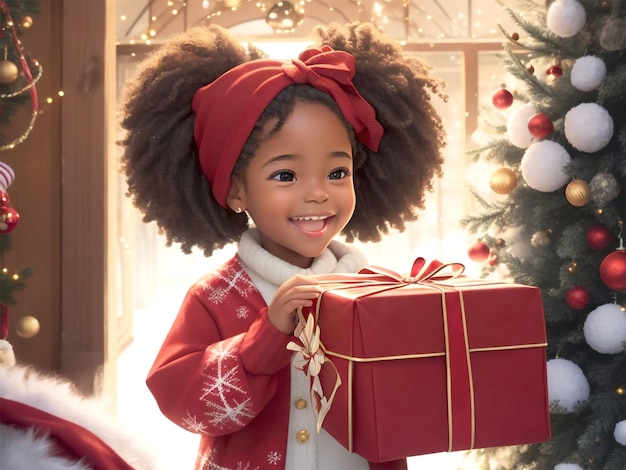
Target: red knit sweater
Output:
{"points": [[223, 372]]}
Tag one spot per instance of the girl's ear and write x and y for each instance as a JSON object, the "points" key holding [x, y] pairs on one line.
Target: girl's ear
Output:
{"points": [[236, 196]]}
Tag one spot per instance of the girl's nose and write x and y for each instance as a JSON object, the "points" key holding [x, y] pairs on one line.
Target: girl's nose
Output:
{"points": [[316, 191]]}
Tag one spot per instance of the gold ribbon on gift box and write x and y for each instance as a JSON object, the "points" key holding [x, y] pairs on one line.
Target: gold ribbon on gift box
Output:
{"points": [[311, 355], [309, 358]]}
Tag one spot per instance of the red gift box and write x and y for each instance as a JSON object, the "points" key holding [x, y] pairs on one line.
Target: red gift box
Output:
{"points": [[430, 363]]}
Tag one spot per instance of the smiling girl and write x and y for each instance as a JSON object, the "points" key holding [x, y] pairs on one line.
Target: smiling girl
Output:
{"points": [[224, 145]]}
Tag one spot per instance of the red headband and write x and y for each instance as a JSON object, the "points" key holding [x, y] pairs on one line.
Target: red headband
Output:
{"points": [[228, 108]]}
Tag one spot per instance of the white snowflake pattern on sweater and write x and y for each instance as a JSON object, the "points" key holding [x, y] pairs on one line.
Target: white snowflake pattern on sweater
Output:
{"points": [[207, 463], [192, 424], [232, 404], [235, 279], [242, 312], [274, 458]]}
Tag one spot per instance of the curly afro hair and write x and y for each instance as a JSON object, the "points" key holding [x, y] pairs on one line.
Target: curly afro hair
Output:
{"points": [[160, 159]]}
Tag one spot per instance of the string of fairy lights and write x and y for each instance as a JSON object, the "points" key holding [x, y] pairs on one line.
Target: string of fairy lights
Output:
{"points": [[18, 74], [432, 20]]}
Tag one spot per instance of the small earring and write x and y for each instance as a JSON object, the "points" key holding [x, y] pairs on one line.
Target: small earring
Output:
{"points": [[238, 210]]}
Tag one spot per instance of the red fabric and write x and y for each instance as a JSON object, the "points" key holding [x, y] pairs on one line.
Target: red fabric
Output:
{"points": [[481, 367], [223, 372], [4, 321], [73, 442], [228, 108]]}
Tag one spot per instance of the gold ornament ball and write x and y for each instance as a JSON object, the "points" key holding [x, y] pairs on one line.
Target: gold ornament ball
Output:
{"points": [[27, 22], [503, 181], [27, 327], [578, 193], [8, 72], [540, 239]]}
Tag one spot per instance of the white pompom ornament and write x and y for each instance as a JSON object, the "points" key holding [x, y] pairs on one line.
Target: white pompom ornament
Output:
{"points": [[566, 18], [567, 384], [517, 126], [605, 329], [588, 73], [7, 356], [543, 166], [620, 432], [568, 466], [588, 127]]}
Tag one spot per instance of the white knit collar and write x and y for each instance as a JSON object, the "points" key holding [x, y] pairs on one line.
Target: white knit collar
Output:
{"points": [[338, 258]]}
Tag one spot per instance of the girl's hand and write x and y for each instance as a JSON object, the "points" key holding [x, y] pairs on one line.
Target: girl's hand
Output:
{"points": [[299, 291]]}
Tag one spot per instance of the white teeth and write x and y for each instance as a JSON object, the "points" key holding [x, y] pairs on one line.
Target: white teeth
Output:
{"points": [[314, 217]]}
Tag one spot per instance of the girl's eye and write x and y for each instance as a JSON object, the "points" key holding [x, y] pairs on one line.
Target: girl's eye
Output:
{"points": [[283, 175], [338, 174]]}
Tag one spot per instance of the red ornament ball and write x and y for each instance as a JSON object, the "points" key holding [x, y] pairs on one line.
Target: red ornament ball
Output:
{"points": [[478, 252], [4, 199], [8, 219], [555, 71], [540, 126], [577, 297], [613, 270], [502, 98], [598, 237]]}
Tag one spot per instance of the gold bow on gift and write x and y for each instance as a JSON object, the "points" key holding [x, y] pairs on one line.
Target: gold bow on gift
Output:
{"points": [[309, 358], [421, 271]]}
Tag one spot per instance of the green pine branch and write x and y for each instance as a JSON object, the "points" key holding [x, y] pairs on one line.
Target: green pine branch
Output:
{"points": [[476, 222], [11, 283], [542, 42], [613, 85]]}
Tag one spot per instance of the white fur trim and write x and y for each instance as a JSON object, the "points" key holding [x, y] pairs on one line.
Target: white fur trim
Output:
{"points": [[22, 450], [58, 397]]}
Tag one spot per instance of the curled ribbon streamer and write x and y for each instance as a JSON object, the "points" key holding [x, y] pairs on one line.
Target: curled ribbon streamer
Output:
{"points": [[310, 358]]}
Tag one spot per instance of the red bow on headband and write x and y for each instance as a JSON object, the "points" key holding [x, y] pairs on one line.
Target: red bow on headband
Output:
{"points": [[228, 108]]}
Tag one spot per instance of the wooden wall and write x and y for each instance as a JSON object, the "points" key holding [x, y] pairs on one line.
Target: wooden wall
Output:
{"points": [[60, 193]]}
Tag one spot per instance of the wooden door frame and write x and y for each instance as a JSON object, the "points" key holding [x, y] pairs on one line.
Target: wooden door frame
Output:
{"points": [[87, 141]]}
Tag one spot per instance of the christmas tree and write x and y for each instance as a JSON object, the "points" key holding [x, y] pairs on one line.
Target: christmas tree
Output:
{"points": [[555, 140], [18, 72], [17, 92]]}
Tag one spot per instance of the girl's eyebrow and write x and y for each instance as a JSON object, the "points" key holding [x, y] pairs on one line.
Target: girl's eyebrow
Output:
{"points": [[341, 154], [294, 156], [280, 158]]}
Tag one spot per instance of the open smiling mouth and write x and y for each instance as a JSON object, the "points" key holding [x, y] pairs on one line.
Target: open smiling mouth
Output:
{"points": [[311, 223]]}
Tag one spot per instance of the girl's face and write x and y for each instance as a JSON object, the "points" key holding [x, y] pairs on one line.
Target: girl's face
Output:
{"points": [[298, 187]]}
